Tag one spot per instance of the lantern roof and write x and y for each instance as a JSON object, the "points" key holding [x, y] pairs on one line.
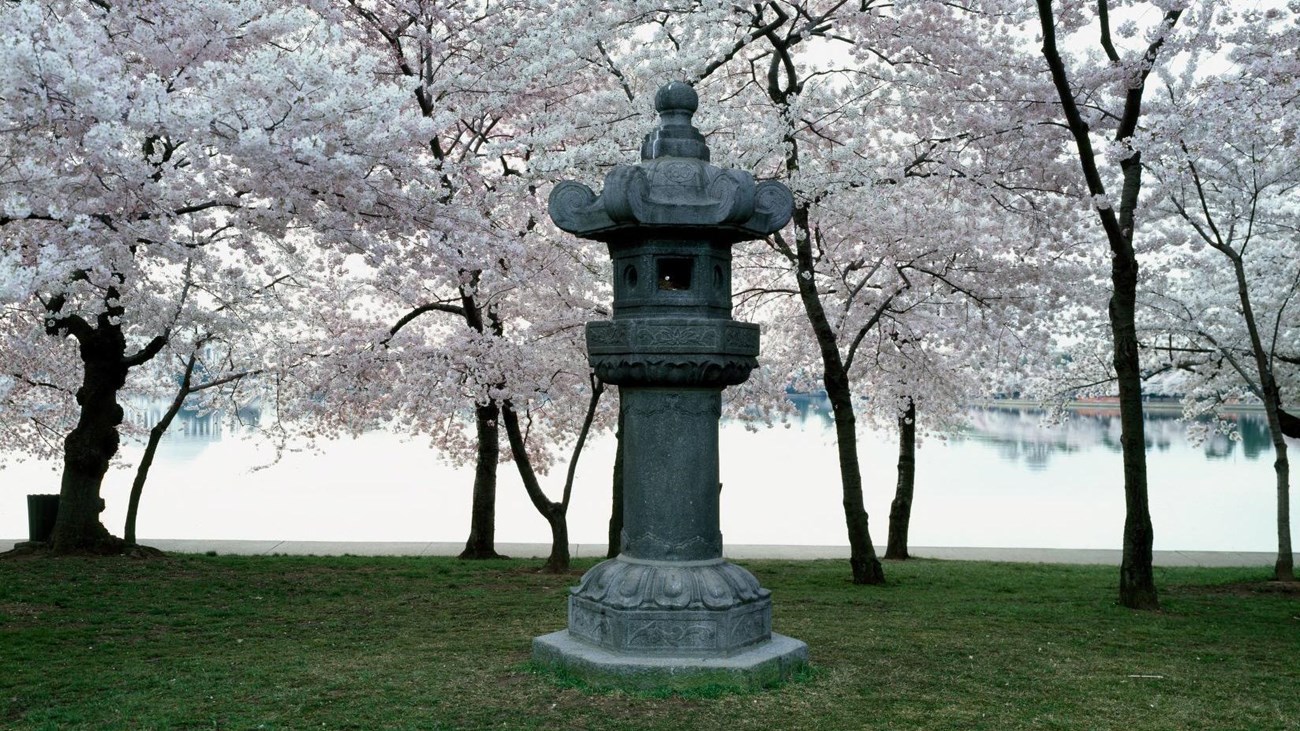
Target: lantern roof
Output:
{"points": [[674, 191]]}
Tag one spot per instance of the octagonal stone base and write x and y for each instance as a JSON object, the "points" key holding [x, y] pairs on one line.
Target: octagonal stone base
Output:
{"points": [[762, 665], [643, 624], [673, 608]]}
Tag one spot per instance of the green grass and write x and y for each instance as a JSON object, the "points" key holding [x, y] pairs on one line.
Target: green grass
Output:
{"points": [[204, 642]]}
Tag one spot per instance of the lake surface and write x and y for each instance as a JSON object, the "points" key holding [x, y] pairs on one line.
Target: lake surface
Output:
{"points": [[1006, 482]]}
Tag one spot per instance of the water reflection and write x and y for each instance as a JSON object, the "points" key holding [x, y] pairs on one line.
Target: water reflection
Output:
{"points": [[1018, 434], [1024, 435], [193, 428], [1006, 481], [811, 406]]}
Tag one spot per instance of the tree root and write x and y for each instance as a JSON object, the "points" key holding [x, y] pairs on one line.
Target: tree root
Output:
{"points": [[113, 546]]}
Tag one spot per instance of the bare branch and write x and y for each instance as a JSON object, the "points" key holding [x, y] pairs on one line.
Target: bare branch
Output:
{"points": [[40, 384], [618, 73], [217, 382], [1078, 127]]}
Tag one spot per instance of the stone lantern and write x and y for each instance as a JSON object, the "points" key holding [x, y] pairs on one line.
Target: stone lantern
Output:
{"points": [[669, 610]]}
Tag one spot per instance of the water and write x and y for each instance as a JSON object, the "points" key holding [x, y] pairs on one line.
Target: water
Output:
{"points": [[1008, 482]]}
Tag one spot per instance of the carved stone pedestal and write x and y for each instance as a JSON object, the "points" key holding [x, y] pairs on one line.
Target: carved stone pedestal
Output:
{"points": [[670, 611], [670, 607]]}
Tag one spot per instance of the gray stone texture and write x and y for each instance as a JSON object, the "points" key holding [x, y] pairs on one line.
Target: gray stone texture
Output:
{"points": [[687, 608], [674, 193], [670, 473], [669, 607], [759, 666], [672, 351]]}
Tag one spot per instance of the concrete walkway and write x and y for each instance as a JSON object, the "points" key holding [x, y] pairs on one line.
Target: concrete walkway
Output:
{"points": [[800, 553]]}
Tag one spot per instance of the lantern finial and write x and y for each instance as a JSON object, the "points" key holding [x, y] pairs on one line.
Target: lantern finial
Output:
{"points": [[675, 136]]}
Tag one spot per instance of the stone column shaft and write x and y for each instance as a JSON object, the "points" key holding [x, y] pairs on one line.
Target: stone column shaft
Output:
{"points": [[670, 473]]}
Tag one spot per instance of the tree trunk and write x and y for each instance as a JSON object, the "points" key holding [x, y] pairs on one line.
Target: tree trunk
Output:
{"points": [[1284, 567], [616, 509], [151, 448], [1137, 588], [90, 446], [558, 561], [553, 512], [863, 562], [1137, 584], [900, 510], [482, 531], [142, 473]]}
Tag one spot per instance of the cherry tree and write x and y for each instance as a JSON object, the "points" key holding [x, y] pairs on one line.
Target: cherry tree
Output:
{"points": [[149, 150], [1230, 188], [896, 271], [1103, 96], [464, 300], [218, 364]]}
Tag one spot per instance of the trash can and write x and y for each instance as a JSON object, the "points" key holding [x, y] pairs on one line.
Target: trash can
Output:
{"points": [[41, 513]]}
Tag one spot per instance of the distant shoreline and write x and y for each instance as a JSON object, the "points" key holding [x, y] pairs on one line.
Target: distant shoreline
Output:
{"points": [[1108, 404]]}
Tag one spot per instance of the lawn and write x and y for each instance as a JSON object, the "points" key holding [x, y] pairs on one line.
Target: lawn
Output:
{"points": [[208, 642]]}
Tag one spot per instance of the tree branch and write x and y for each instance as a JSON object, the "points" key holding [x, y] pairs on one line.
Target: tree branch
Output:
{"points": [[224, 380], [871, 322], [1133, 99], [147, 352], [1074, 120], [40, 384], [1103, 17], [517, 440], [597, 389], [422, 309], [618, 74]]}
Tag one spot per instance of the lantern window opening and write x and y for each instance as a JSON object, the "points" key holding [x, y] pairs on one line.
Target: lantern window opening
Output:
{"points": [[674, 273]]}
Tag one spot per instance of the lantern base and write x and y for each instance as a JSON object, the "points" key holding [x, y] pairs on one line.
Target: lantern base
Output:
{"points": [[671, 608], [763, 665]]}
